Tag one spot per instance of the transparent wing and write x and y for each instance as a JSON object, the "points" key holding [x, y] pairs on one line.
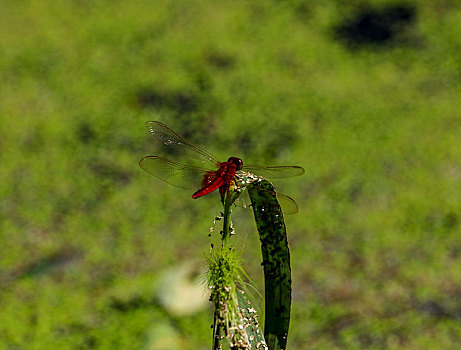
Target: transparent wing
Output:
{"points": [[174, 173], [274, 172], [179, 144], [287, 204]]}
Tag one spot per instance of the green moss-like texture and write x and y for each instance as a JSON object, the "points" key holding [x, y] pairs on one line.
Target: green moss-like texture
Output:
{"points": [[84, 231]]}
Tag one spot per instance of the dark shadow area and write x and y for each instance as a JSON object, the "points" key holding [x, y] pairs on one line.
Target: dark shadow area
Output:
{"points": [[220, 60], [437, 310], [181, 101], [135, 303], [105, 170], [376, 26], [51, 263], [86, 133]]}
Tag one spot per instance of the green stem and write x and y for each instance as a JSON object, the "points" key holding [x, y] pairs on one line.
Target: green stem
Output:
{"points": [[217, 331], [226, 232]]}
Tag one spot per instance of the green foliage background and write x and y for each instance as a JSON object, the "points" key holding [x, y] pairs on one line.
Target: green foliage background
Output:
{"points": [[84, 231]]}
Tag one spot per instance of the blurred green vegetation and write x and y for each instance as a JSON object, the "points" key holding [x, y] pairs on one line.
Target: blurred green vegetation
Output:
{"points": [[84, 232]]}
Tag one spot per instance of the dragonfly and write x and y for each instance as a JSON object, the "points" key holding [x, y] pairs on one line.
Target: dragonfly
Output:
{"points": [[212, 174]]}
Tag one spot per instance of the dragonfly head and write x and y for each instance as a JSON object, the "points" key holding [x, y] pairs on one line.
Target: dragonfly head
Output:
{"points": [[237, 161]]}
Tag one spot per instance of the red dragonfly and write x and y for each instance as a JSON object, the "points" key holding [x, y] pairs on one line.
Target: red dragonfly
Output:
{"points": [[213, 174]]}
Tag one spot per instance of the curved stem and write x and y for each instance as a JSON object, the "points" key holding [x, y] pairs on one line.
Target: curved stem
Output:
{"points": [[276, 262]]}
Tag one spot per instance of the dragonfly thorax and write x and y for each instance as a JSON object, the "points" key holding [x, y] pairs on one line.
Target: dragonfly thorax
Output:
{"points": [[236, 161]]}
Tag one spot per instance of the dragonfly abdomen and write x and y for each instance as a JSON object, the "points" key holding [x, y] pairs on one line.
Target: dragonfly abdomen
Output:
{"points": [[217, 183]]}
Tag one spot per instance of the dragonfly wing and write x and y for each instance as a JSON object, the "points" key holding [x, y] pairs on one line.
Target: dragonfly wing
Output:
{"points": [[174, 173], [179, 144], [287, 204], [243, 201], [274, 172]]}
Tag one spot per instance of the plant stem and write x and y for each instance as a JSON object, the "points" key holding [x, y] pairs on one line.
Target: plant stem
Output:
{"points": [[218, 325], [217, 331], [226, 232], [276, 262]]}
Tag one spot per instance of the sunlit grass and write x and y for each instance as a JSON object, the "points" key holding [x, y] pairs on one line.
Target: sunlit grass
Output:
{"points": [[374, 246]]}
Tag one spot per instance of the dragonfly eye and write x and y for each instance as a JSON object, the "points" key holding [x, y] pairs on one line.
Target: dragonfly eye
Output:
{"points": [[237, 161]]}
